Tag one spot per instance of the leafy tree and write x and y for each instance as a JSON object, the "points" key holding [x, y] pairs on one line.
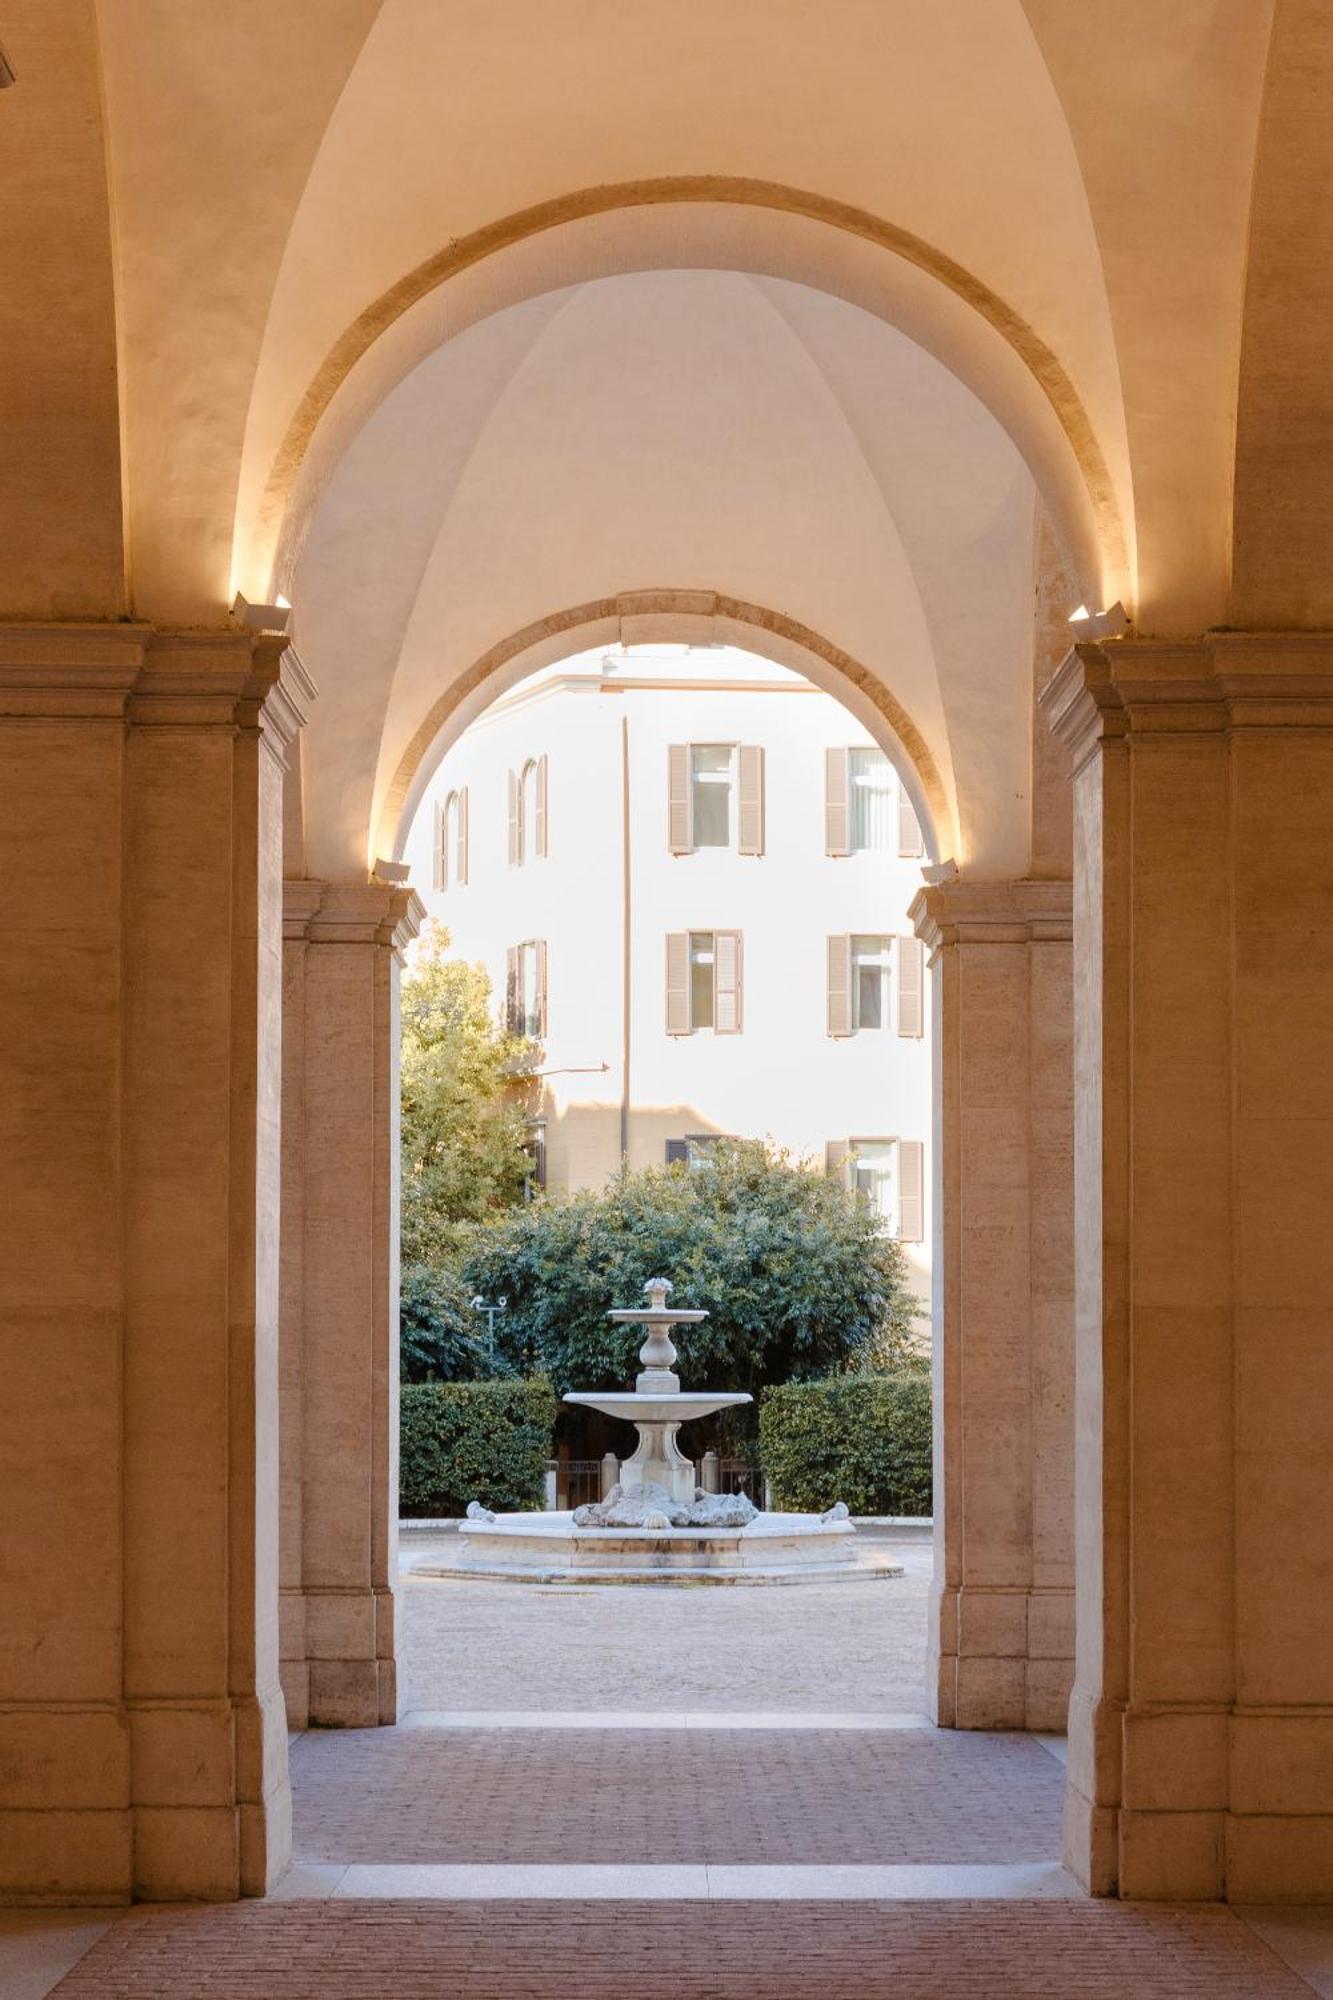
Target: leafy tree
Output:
{"points": [[796, 1271], [467, 1089]]}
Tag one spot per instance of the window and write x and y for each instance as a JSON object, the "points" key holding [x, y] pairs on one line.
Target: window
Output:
{"points": [[703, 982], [715, 797], [702, 965], [525, 989], [866, 809], [527, 797], [451, 841], [872, 801], [890, 1174], [696, 1149], [710, 793], [859, 993], [870, 983]]}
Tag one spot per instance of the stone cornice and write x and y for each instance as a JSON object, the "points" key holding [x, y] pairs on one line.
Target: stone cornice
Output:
{"points": [[1223, 681], [227, 678], [1030, 911], [378, 913]]}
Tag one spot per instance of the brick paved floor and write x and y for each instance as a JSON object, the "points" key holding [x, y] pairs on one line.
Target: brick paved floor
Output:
{"points": [[758, 1796], [831, 1647], [637, 1951]]}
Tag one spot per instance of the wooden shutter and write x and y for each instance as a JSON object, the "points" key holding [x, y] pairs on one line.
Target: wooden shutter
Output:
{"points": [[911, 1191], [678, 983], [837, 803], [910, 844], [677, 1152], [911, 981], [751, 818], [838, 1160], [441, 845], [539, 831], [726, 982], [540, 949], [515, 848], [513, 997], [680, 830], [840, 985], [460, 857]]}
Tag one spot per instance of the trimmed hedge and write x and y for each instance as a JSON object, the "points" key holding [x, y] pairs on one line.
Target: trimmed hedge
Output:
{"points": [[461, 1441], [864, 1439]]}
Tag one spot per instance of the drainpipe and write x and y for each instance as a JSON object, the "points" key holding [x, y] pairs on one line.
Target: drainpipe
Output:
{"points": [[626, 931]]}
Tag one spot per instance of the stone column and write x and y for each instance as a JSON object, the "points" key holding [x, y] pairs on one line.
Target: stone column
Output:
{"points": [[140, 1712], [340, 1299], [1001, 1623], [1201, 1728]]}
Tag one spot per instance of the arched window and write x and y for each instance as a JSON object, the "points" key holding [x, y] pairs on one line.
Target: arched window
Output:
{"points": [[527, 812], [452, 864]]}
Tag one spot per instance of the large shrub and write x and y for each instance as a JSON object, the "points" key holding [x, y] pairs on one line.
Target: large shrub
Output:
{"points": [[864, 1439], [461, 1441], [796, 1272]]}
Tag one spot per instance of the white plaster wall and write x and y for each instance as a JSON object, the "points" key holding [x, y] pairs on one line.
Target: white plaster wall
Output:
{"points": [[783, 1076]]}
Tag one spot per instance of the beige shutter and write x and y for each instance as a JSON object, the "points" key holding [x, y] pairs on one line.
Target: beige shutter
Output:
{"points": [[911, 1190], [838, 1161], [727, 982], [678, 983], [911, 981], [539, 831], [751, 761], [460, 858], [540, 949], [680, 832], [512, 994], [837, 803], [441, 846], [910, 844], [515, 848], [840, 985]]}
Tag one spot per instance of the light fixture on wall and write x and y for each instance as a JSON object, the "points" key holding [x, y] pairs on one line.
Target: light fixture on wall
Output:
{"points": [[262, 617], [1108, 624], [392, 873]]}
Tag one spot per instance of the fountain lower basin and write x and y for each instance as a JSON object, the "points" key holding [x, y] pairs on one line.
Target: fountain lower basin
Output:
{"points": [[550, 1548]]}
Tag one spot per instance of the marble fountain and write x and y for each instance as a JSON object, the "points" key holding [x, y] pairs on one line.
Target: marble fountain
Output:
{"points": [[656, 1525]]}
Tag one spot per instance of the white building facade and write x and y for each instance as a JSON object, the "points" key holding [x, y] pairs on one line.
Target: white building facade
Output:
{"points": [[762, 980]]}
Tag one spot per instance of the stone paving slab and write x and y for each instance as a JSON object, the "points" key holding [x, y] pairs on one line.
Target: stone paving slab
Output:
{"points": [[829, 1797], [735, 1951], [854, 1645]]}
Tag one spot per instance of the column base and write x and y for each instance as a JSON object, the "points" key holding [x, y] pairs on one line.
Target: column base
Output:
{"points": [[348, 1679], [162, 1801], [1001, 1659]]}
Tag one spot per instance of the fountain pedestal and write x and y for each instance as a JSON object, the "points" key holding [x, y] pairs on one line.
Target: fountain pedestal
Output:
{"points": [[657, 1407]]}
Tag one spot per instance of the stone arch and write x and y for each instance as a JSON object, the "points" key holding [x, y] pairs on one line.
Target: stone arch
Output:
{"points": [[717, 222], [706, 617]]}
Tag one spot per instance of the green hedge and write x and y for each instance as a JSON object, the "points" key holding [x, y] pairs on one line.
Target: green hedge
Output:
{"points": [[864, 1439], [461, 1441]]}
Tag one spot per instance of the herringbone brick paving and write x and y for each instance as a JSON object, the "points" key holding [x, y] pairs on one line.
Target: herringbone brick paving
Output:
{"points": [[645, 1951], [764, 1796]]}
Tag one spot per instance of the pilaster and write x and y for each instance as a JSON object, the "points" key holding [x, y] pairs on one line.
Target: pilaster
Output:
{"points": [[340, 1298], [1203, 1708], [138, 1674], [1001, 1625]]}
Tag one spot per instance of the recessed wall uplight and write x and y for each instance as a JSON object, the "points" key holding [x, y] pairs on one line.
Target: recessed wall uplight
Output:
{"points": [[1108, 624], [262, 617]]}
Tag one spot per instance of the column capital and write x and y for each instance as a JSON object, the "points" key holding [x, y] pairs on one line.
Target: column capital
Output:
{"points": [[1016, 912], [134, 672], [1221, 681], [378, 913]]}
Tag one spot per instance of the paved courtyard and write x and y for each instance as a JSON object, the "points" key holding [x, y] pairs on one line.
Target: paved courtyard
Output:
{"points": [[701, 1794], [829, 1647]]}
